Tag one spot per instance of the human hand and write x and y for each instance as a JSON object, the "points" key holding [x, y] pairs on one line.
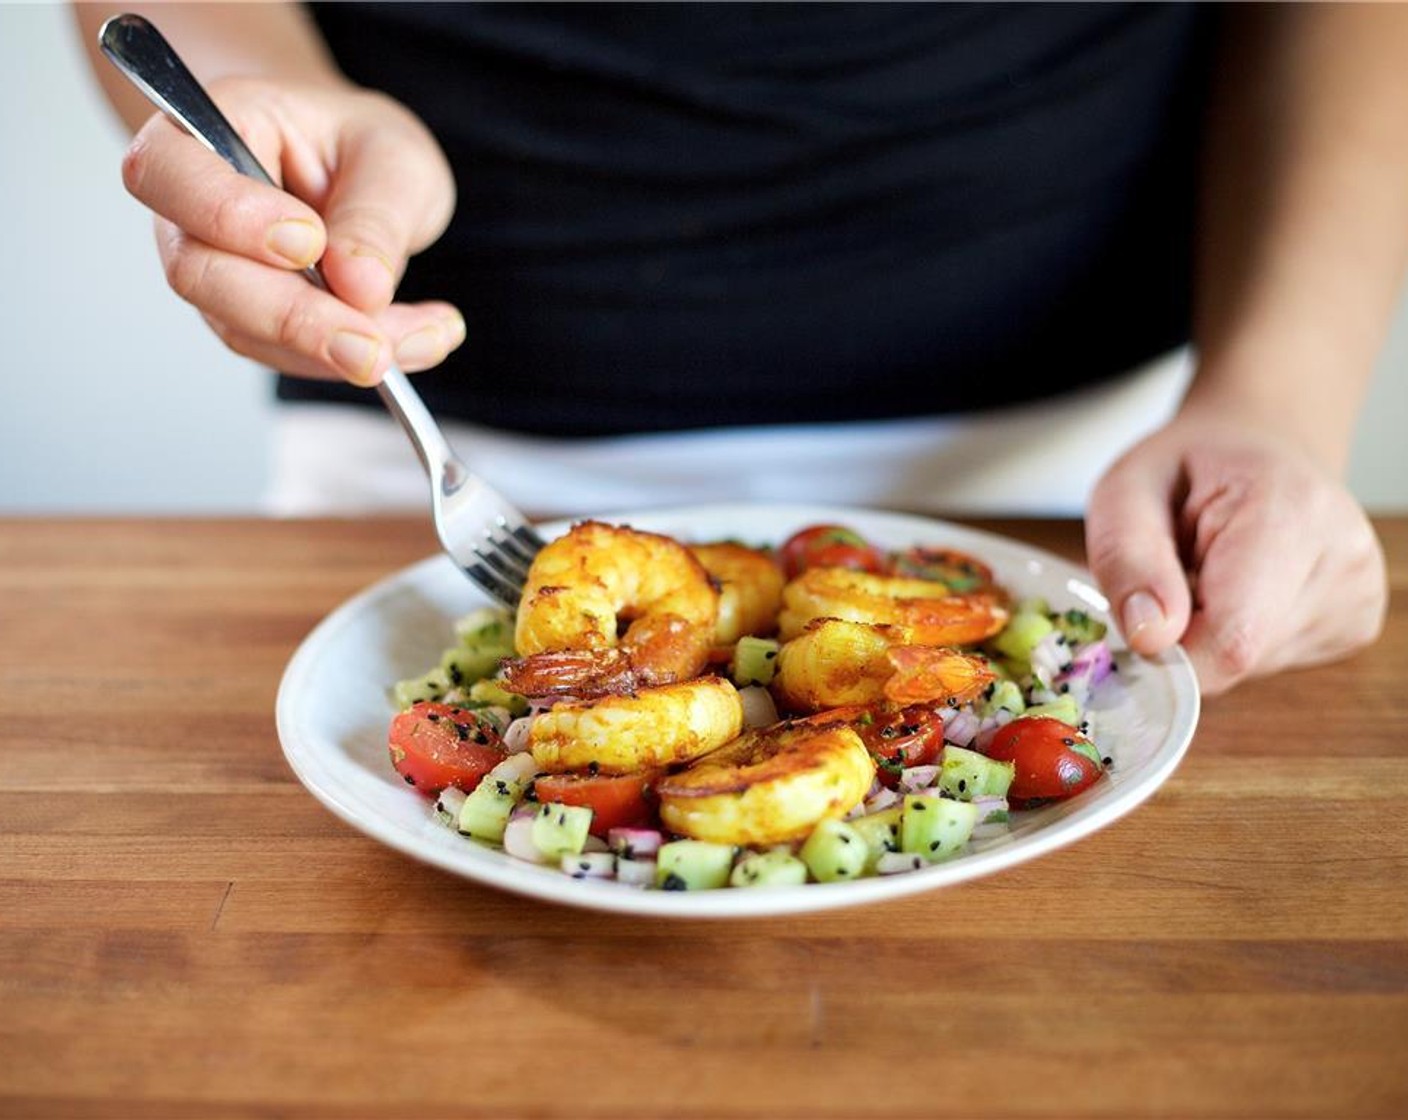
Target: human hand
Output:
{"points": [[1238, 543], [365, 186]]}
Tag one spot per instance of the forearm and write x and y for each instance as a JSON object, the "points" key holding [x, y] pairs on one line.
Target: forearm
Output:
{"points": [[217, 41], [1304, 224]]}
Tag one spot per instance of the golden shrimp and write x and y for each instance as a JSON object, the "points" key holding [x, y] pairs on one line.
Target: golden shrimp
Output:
{"points": [[770, 785], [584, 586], [928, 611], [655, 727], [835, 663], [750, 588]]}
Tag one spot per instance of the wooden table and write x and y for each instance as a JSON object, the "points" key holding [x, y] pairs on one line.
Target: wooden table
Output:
{"points": [[185, 932]]}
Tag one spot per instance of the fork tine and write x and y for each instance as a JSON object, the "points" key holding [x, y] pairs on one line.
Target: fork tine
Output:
{"points": [[497, 586]]}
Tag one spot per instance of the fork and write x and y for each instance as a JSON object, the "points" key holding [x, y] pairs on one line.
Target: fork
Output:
{"points": [[491, 541]]}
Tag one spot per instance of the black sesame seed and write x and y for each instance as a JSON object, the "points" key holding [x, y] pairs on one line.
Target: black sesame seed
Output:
{"points": [[918, 806], [1107, 761], [933, 845], [673, 882], [962, 785], [410, 781]]}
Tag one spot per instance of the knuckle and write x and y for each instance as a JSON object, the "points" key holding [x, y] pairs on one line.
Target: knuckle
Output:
{"points": [[229, 218], [187, 270], [297, 328], [136, 164], [1236, 649]]}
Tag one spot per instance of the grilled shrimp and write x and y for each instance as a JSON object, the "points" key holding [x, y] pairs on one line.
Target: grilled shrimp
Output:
{"points": [[584, 586], [931, 615], [834, 663], [770, 785], [750, 588], [655, 727]]}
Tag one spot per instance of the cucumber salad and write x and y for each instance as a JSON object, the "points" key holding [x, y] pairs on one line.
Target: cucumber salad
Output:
{"points": [[692, 716]]}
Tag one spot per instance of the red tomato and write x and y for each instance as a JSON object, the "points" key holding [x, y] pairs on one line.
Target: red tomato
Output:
{"points": [[905, 737], [616, 800], [829, 546], [957, 570], [1048, 765], [437, 745]]}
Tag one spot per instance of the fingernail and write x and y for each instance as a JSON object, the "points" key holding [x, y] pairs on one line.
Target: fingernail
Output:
{"points": [[298, 242], [355, 354], [380, 258], [1141, 612], [457, 330], [422, 349]]}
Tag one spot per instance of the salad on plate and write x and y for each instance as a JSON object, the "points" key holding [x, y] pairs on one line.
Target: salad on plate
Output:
{"points": [[695, 715]]}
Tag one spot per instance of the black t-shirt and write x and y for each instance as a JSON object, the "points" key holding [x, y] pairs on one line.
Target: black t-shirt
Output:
{"points": [[689, 215]]}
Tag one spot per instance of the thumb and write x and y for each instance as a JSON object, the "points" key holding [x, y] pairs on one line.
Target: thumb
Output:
{"points": [[392, 195], [1131, 543]]}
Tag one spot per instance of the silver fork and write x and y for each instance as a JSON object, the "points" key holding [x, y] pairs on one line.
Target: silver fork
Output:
{"points": [[492, 542]]}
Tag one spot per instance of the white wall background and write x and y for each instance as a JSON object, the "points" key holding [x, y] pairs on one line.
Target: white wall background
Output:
{"points": [[116, 398]]}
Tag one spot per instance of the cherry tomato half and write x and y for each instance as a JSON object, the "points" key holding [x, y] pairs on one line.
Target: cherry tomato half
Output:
{"points": [[616, 800], [957, 570], [901, 737], [829, 546], [434, 746], [1048, 765]]}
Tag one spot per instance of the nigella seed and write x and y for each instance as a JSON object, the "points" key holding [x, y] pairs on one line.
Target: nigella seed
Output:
{"points": [[673, 882], [844, 838], [1107, 762], [918, 806], [410, 781], [962, 785], [933, 845]]}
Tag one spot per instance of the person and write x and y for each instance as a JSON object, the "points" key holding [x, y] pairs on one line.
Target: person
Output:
{"points": [[855, 229]]}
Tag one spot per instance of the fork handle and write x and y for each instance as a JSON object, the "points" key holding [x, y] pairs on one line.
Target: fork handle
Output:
{"points": [[144, 56]]}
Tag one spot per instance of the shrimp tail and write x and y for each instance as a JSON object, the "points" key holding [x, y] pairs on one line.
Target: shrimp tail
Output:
{"points": [[574, 672], [931, 675]]}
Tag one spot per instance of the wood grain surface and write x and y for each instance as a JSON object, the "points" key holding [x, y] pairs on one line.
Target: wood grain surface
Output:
{"points": [[185, 932]]}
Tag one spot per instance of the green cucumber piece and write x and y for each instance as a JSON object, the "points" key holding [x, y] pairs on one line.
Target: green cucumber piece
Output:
{"points": [[495, 695], [835, 852], [935, 827], [880, 832], [432, 686], [1064, 708], [1078, 627], [754, 661], [965, 774], [487, 626], [464, 667], [561, 830], [776, 868], [1004, 695], [1021, 634], [485, 812], [693, 865]]}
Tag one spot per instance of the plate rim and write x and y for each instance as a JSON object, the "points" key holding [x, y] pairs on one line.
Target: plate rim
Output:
{"points": [[552, 886]]}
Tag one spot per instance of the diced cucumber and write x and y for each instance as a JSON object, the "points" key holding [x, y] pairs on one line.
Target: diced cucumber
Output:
{"points": [[880, 832], [754, 661], [935, 827], [693, 865], [1021, 634], [1032, 604], [589, 865], [1063, 708], [462, 667], [495, 695], [1079, 627], [486, 626], [965, 774], [835, 851], [485, 812], [777, 868], [432, 686], [1004, 696], [561, 830]]}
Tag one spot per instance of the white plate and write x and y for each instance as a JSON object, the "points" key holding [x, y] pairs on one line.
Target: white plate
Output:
{"points": [[333, 714]]}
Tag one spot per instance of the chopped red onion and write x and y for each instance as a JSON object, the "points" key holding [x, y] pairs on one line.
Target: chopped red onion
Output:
{"points": [[990, 808], [1050, 657], [915, 778], [518, 839], [516, 735], [897, 863], [634, 842], [882, 800], [635, 872], [590, 865], [758, 707], [960, 728]]}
